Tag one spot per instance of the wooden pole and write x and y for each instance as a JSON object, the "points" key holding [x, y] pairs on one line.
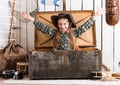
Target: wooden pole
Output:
{"points": [[11, 23], [64, 5]]}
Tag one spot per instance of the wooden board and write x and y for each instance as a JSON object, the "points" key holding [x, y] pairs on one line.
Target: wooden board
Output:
{"points": [[64, 64], [87, 39]]}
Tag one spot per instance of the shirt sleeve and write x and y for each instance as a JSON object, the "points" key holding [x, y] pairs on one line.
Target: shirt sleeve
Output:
{"points": [[83, 28], [44, 28]]}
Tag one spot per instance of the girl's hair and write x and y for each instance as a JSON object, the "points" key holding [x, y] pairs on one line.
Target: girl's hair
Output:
{"points": [[71, 40], [57, 40]]}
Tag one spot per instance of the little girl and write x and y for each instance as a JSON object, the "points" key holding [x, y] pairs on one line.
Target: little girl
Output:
{"points": [[63, 35]]}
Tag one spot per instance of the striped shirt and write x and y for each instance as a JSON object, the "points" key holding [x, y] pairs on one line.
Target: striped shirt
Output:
{"points": [[64, 37]]}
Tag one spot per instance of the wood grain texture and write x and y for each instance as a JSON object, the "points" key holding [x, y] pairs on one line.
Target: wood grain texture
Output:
{"points": [[64, 64]]}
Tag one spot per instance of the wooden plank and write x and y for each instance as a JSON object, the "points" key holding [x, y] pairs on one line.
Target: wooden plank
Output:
{"points": [[68, 5], [107, 43], [97, 4], [4, 12], [17, 32], [30, 25], [76, 5], [27, 28], [30, 32], [60, 7], [49, 6], [41, 6], [23, 26], [87, 5], [117, 48]]}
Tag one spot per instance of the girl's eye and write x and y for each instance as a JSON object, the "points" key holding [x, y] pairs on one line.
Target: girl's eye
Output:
{"points": [[60, 24], [65, 23]]}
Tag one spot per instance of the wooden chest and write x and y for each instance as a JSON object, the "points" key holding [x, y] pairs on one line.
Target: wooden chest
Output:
{"points": [[44, 63], [64, 64]]}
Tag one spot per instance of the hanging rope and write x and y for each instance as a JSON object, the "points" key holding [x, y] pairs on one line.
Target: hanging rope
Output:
{"points": [[11, 23]]}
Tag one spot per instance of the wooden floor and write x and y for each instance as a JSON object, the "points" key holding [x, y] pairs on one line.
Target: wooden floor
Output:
{"points": [[26, 81]]}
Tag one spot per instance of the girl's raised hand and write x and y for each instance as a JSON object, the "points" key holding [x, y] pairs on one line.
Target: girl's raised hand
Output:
{"points": [[27, 16], [100, 11]]}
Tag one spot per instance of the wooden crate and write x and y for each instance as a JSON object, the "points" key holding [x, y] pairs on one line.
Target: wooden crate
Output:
{"points": [[64, 64]]}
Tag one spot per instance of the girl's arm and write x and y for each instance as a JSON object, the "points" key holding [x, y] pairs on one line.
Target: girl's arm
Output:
{"points": [[83, 28], [27, 16], [42, 27], [99, 12]]}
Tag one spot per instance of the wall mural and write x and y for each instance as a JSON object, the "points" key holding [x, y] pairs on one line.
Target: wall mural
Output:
{"points": [[112, 15]]}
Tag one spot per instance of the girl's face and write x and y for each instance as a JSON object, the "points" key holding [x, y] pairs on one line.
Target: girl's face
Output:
{"points": [[63, 25]]}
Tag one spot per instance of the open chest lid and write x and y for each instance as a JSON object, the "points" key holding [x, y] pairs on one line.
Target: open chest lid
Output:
{"points": [[87, 39]]}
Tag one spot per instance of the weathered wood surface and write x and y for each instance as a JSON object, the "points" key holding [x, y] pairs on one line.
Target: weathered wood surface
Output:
{"points": [[64, 64]]}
